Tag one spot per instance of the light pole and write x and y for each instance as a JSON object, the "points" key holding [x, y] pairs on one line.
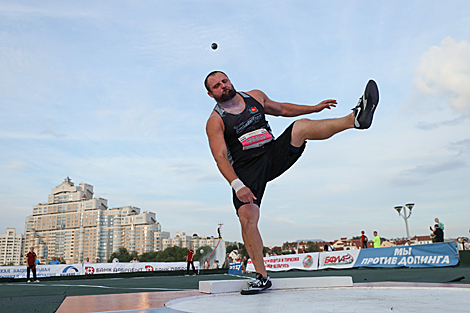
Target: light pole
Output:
{"points": [[405, 215]]}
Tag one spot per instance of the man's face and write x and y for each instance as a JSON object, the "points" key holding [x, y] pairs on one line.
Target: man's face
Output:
{"points": [[221, 88]]}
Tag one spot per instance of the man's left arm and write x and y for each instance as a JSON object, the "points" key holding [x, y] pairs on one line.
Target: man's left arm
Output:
{"points": [[287, 109]]}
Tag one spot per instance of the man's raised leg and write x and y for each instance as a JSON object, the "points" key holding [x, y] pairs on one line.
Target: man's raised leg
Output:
{"points": [[305, 129]]}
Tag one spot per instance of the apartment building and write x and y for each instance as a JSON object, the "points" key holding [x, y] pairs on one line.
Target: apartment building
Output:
{"points": [[11, 247], [184, 241], [75, 225]]}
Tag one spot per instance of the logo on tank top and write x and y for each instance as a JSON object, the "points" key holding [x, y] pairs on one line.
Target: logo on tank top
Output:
{"points": [[253, 110]]}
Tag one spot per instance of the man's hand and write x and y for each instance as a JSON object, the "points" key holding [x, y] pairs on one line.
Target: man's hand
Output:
{"points": [[326, 104], [245, 195]]}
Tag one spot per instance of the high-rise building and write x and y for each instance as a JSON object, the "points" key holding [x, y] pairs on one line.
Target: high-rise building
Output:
{"points": [[74, 225], [11, 247]]}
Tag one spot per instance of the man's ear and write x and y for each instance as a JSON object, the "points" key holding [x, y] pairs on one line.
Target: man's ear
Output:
{"points": [[210, 94]]}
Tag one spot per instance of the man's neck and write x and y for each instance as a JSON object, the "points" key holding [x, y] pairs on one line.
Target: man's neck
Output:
{"points": [[235, 105]]}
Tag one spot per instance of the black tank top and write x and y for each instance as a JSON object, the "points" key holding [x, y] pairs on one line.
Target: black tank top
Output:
{"points": [[247, 134]]}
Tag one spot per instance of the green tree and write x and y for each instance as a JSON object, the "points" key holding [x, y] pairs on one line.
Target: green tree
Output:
{"points": [[172, 254], [355, 238], [122, 255], [230, 248], [312, 247], [148, 256], [242, 250], [199, 256]]}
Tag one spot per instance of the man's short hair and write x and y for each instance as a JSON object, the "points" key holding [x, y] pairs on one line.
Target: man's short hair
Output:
{"points": [[206, 84]]}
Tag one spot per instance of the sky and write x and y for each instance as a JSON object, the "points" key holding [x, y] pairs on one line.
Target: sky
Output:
{"points": [[111, 93]]}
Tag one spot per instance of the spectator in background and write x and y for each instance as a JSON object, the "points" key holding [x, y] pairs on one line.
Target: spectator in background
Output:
{"points": [[31, 264], [364, 240], [215, 265], [441, 225], [190, 261], [87, 261], [331, 247], [54, 261], [97, 260], [245, 263], [206, 264], [438, 234], [376, 240], [227, 261], [134, 260]]}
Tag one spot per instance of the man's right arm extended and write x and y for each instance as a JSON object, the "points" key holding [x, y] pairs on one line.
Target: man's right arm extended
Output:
{"points": [[215, 134]]}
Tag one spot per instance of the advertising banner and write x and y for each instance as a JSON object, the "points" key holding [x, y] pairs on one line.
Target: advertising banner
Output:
{"points": [[42, 270], [338, 259], [235, 268], [430, 255], [107, 268], [303, 261]]}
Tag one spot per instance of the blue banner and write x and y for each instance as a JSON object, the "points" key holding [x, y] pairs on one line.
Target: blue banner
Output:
{"points": [[235, 268], [430, 255]]}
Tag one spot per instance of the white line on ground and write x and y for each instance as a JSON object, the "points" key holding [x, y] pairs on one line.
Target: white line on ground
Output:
{"points": [[94, 286]]}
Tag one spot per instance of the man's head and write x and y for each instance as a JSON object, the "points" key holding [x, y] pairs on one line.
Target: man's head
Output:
{"points": [[32, 249], [87, 259], [436, 220], [219, 87], [436, 226], [54, 258], [375, 233], [362, 232]]}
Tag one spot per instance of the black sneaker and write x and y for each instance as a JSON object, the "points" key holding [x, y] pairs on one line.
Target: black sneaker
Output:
{"points": [[364, 110], [257, 285]]}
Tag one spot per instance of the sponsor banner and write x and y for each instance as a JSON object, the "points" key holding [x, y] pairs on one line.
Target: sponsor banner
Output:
{"points": [[42, 270], [107, 268], [338, 259], [235, 268], [430, 255], [303, 261]]}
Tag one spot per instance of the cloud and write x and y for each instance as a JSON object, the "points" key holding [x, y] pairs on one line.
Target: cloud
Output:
{"points": [[49, 131], [444, 73], [452, 122], [431, 169], [419, 174], [16, 165], [462, 146]]}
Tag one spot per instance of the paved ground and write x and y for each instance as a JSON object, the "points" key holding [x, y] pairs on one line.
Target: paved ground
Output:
{"points": [[48, 295]]}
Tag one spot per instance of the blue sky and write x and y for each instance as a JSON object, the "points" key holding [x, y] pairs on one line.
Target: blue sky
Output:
{"points": [[111, 93]]}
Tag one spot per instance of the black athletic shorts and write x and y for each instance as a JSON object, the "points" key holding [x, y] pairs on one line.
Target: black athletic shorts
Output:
{"points": [[278, 158]]}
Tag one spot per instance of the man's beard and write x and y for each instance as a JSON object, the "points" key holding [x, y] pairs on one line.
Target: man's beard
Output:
{"points": [[227, 96]]}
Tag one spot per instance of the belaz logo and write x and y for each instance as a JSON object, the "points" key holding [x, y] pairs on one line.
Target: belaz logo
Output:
{"points": [[339, 259], [89, 270], [148, 268]]}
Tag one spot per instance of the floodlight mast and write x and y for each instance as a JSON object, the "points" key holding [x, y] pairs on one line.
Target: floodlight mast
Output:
{"points": [[405, 215]]}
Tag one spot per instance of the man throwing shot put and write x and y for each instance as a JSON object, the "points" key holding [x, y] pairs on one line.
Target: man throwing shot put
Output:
{"points": [[248, 155]]}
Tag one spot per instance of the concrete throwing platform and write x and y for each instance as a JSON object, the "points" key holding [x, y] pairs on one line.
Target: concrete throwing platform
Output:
{"points": [[225, 286], [332, 300]]}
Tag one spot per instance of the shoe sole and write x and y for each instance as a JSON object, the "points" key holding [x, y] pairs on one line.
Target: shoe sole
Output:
{"points": [[371, 97], [254, 291]]}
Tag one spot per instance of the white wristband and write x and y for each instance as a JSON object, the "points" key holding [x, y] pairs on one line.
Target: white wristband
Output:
{"points": [[237, 184]]}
